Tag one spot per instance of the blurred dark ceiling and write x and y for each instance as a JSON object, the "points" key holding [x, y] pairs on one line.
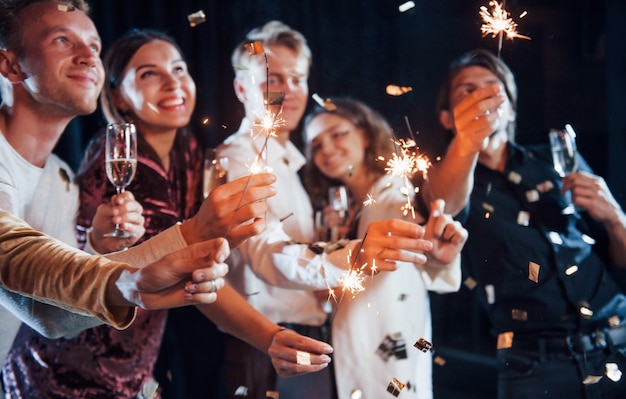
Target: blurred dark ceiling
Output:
{"points": [[564, 71]]}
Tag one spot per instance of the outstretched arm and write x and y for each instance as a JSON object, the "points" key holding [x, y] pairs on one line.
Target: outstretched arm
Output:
{"points": [[236, 316], [452, 179]]}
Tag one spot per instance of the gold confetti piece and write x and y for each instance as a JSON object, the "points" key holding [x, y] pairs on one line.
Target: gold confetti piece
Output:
{"points": [[440, 361], [356, 394], [533, 272], [532, 195], [523, 218], [491, 294], [326, 104], [514, 177], [240, 67], [196, 18], [545, 186], [274, 97], [505, 340], [571, 270], [65, 7], [423, 345], [614, 321], [568, 210], [470, 283], [402, 297], [254, 48], [404, 7], [585, 309], [392, 345], [613, 372], [395, 90], [487, 207], [394, 387], [520, 315], [588, 239], [241, 391], [206, 120], [555, 238], [272, 394], [487, 215], [592, 379], [303, 358]]}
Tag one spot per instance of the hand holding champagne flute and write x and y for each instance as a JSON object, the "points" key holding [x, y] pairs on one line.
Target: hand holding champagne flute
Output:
{"points": [[121, 161]]}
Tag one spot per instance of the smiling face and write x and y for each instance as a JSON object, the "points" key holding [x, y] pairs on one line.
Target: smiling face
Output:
{"points": [[288, 73], [156, 89], [60, 59], [337, 146]]}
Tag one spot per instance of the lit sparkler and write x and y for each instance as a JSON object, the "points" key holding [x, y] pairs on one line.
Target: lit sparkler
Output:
{"points": [[405, 163], [498, 23]]}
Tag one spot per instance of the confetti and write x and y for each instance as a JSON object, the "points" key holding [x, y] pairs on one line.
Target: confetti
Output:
{"points": [[241, 391], [555, 238], [392, 345], [545, 186], [396, 91], [533, 272], [588, 239], [254, 48], [514, 177], [491, 294], [614, 321], [326, 104], [440, 361], [523, 218], [470, 283], [66, 178], [592, 379], [613, 372], [423, 345], [394, 387], [532, 195], [584, 309], [520, 315], [505, 340], [404, 7], [356, 394], [196, 18], [274, 98], [153, 107], [65, 7], [487, 207], [303, 358], [571, 270]]}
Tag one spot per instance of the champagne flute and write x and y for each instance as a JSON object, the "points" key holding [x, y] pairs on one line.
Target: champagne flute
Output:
{"points": [[120, 161], [215, 171], [338, 204], [564, 154]]}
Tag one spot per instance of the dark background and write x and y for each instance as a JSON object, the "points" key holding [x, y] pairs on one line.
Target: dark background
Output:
{"points": [[573, 70]]}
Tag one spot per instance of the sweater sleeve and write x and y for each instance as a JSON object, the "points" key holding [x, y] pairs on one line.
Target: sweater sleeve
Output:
{"points": [[35, 269]]}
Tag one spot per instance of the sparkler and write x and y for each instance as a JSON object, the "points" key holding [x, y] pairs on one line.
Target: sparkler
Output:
{"points": [[498, 23]]}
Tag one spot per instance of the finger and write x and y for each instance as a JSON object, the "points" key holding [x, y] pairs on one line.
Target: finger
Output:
{"points": [[206, 286], [476, 98], [198, 298], [216, 270]]}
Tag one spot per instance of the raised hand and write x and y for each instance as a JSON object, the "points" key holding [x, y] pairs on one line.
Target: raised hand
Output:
{"points": [[191, 275], [447, 235], [123, 210], [288, 347], [233, 210]]}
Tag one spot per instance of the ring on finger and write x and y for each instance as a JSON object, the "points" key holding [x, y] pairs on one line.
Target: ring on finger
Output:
{"points": [[213, 286]]}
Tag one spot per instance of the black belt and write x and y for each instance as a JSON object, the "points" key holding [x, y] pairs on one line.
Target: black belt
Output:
{"points": [[317, 332], [580, 343]]}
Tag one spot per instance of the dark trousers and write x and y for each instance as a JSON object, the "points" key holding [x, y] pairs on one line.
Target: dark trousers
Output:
{"points": [[249, 373], [531, 374]]}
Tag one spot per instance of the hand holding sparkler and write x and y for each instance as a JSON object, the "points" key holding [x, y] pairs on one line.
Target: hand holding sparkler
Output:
{"points": [[233, 210], [391, 240], [446, 234]]}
